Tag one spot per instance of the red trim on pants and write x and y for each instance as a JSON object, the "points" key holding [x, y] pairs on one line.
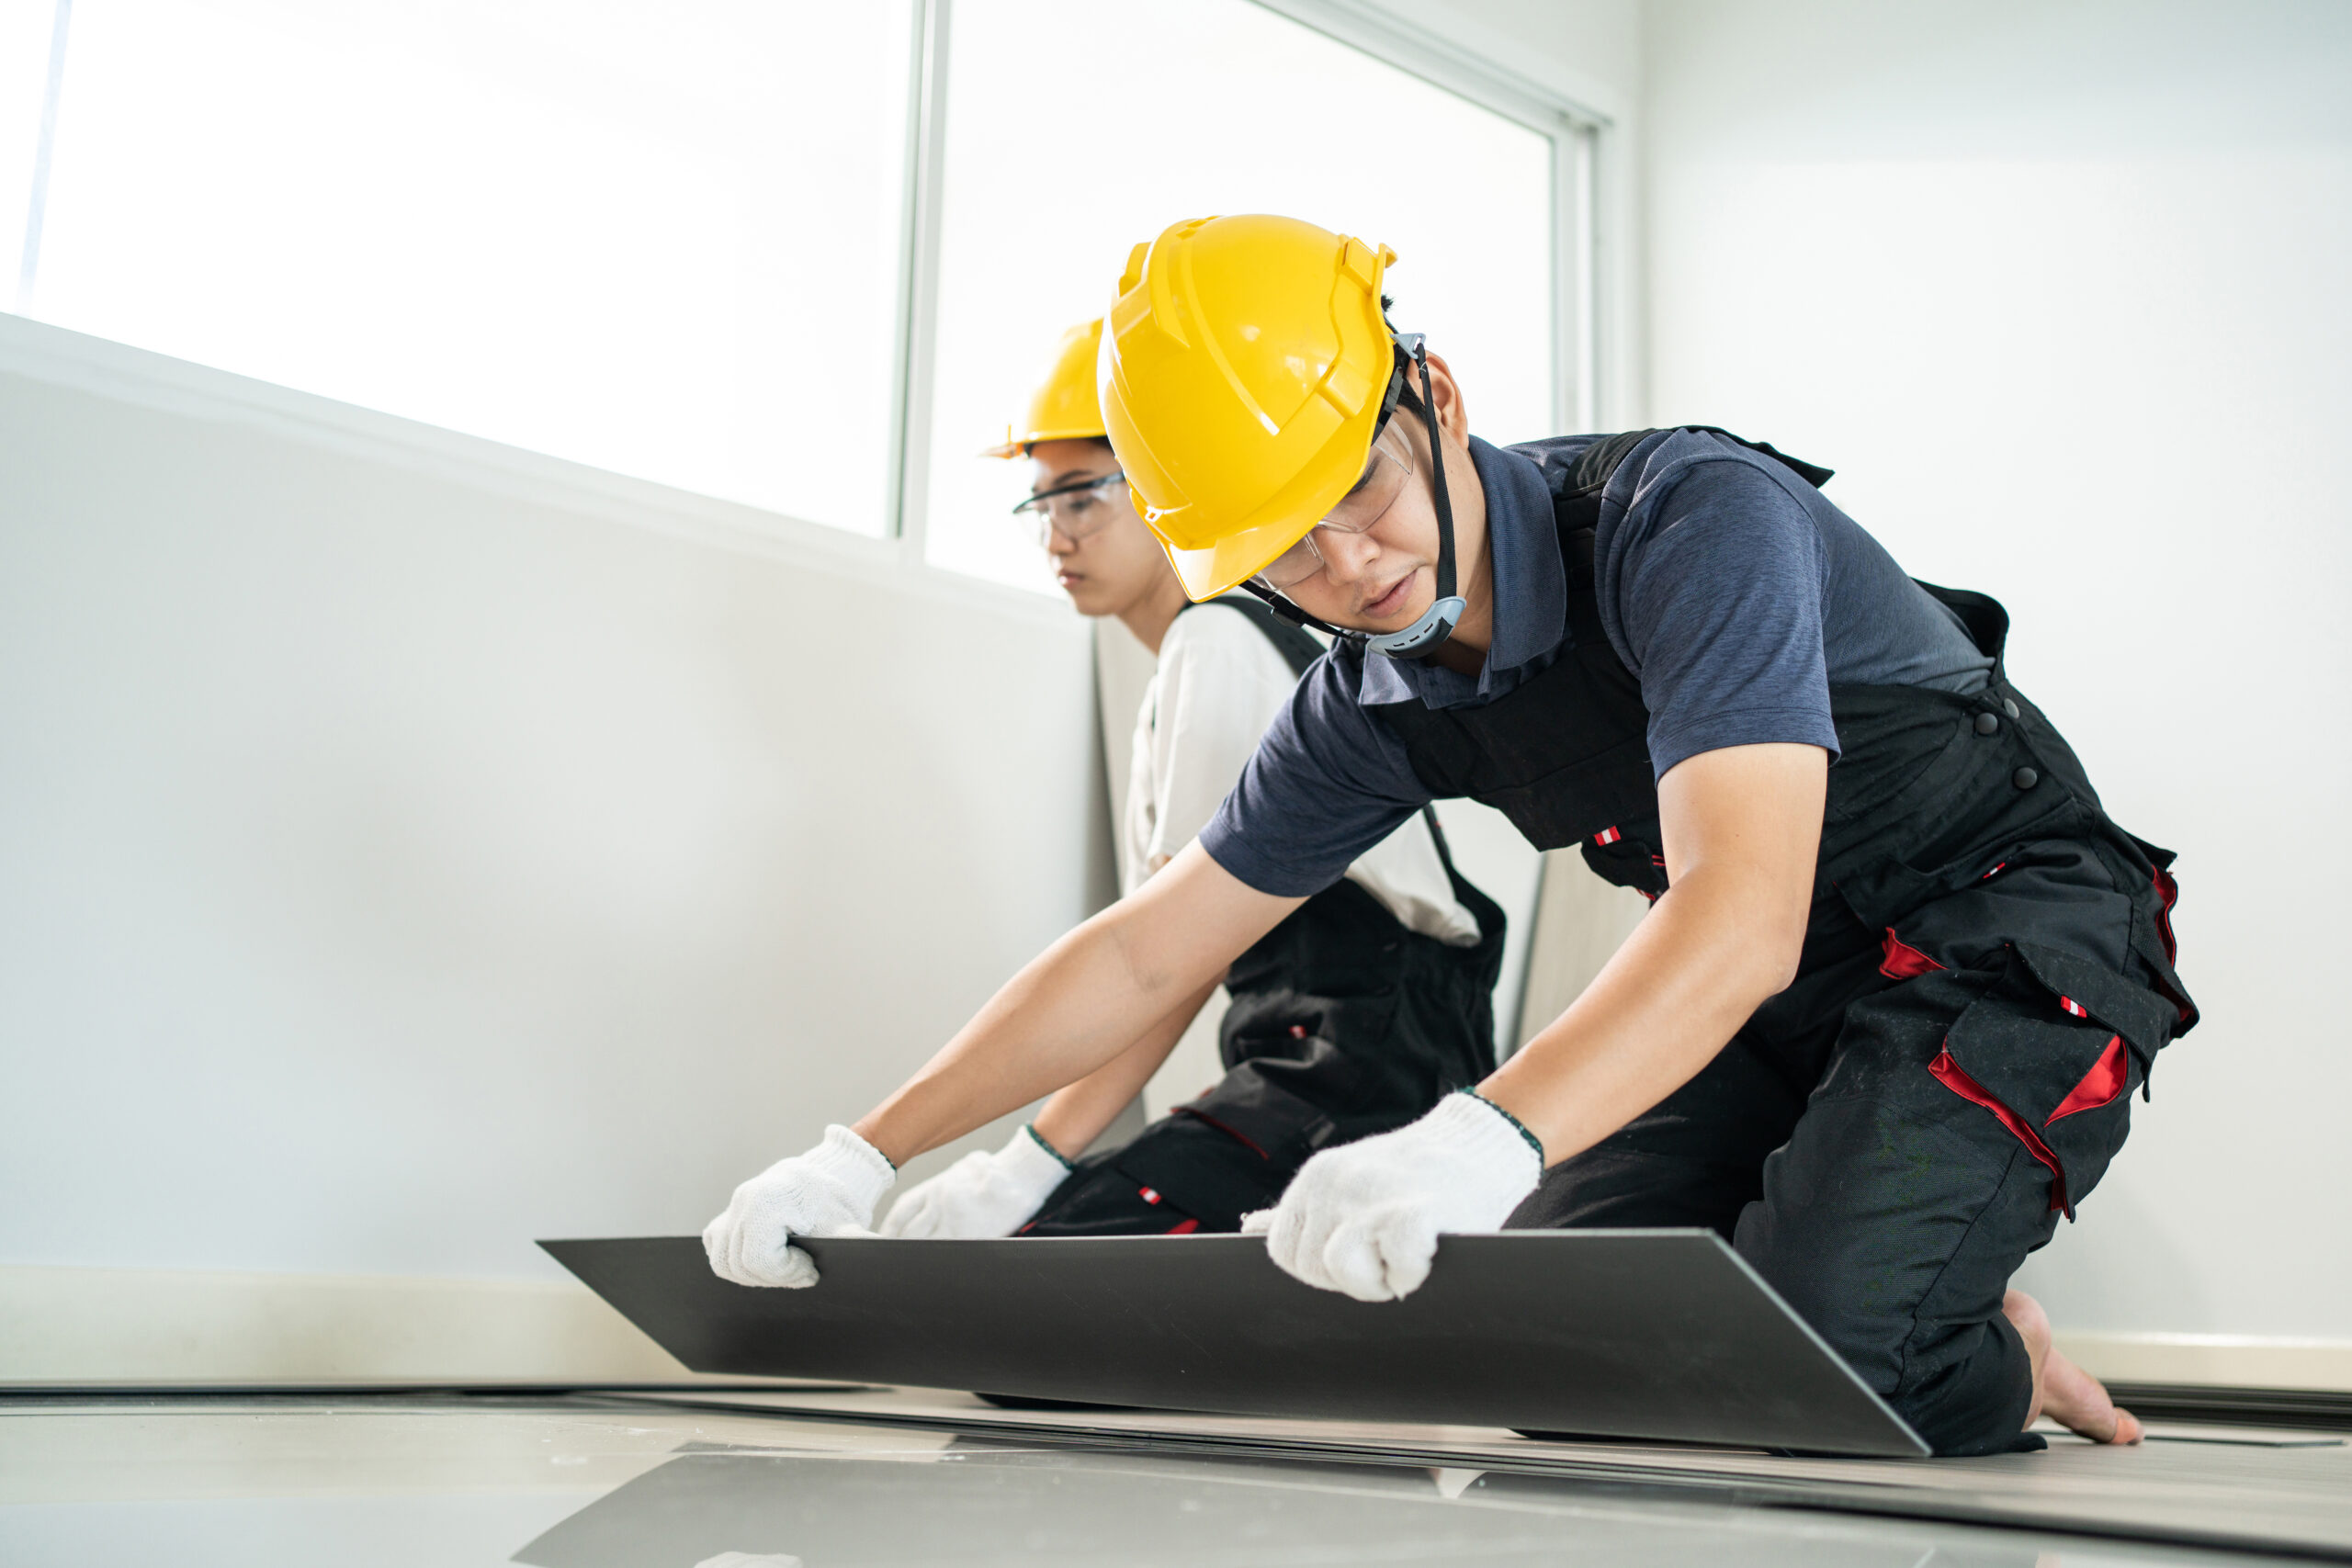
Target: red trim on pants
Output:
{"points": [[1240, 1137], [1903, 960], [2099, 1086], [1949, 1074], [1187, 1228], [2167, 894]]}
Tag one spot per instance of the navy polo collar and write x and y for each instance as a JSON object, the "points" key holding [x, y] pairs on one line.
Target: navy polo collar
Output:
{"points": [[1530, 589]]}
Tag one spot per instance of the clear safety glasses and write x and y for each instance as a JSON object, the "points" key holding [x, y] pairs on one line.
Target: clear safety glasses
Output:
{"points": [[1073, 510], [1385, 473]]}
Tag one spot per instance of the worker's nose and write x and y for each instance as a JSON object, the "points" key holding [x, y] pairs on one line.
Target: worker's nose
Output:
{"points": [[1346, 557]]}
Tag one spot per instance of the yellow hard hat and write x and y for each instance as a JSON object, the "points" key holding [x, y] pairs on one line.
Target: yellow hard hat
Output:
{"points": [[1063, 409], [1241, 381]]}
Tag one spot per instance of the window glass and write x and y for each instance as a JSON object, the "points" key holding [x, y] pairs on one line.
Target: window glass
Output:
{"points": [[25, 27], [660, 239], [1076, 129]]}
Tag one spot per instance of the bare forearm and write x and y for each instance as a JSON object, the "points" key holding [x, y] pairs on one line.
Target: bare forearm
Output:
{"points": [[1073, 1010], [1681, 986], [1081, 1003], [1076, 1116], [1741, 828]]}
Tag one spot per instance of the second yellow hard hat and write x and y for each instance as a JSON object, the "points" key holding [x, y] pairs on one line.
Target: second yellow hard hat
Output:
{"points": [[1063, 407]]}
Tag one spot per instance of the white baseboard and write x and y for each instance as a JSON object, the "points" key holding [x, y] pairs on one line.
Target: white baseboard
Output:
{"points": [[2231, 1360], [132, 1324]]}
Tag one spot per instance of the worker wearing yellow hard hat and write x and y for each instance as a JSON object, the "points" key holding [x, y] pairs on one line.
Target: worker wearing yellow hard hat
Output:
{"points": [[1240, 443], [1352, 1016], [1881, 1026]]}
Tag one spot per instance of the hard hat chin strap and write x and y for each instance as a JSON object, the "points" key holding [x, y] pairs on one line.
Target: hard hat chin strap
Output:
{"points": [[1437, 623]]}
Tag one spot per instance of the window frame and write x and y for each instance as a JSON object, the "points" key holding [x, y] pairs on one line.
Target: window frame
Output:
{"points": [[1586, 364], [1583, 156]]}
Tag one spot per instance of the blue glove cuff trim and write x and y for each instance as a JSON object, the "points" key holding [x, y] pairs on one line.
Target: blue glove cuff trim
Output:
{"points": [[1039, 1138], [1532, 1140]]}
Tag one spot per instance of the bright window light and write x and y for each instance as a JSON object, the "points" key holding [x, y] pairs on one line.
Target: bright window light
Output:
{"points": [[660, 239], [25, 27], [1076, 129]]}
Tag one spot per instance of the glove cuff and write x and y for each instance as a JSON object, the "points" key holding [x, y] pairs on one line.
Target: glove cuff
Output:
{"points": [[1033, 1164], [864, 1171], [1532, 1140], [1029, 1136], [1491, 1136]]}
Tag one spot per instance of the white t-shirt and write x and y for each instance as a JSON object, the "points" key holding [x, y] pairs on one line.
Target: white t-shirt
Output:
{"points": [[1220, 683]]}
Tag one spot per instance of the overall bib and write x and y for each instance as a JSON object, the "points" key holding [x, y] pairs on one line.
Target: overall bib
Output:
{"points": [[1344, 1023], [1987, 975]]}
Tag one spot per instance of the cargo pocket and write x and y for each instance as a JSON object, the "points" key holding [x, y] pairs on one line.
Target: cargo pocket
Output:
{"points": [[1286, 1065], [1176, 1176], [1263, 1114], [1230, 1151], [1199, 1175], [2054, 1074]]}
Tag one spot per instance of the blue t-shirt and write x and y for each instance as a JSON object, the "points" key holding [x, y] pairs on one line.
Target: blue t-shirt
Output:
{"points": [[1734, 591]]}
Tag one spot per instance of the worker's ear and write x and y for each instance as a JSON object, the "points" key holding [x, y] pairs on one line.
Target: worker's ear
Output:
{"points": [[1452, 417]]}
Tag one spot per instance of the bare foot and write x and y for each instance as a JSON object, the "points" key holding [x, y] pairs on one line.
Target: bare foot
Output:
{"points": [[2063, 1391]]}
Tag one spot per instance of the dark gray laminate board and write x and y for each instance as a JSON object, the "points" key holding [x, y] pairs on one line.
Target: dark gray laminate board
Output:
{"points": [[1661, 1335]]}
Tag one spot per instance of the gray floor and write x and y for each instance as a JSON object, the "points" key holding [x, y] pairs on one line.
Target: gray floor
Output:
{"points": [[900, 1477]]}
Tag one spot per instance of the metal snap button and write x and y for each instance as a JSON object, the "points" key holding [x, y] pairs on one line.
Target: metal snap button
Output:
{"points": [[1986, 723], [2010, 707], [2025, 778]]}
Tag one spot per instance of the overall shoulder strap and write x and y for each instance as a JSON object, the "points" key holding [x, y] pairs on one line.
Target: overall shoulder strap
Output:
{"points": [[1981, 614], [1575, 482], [1437, 837], [1587, 472]]}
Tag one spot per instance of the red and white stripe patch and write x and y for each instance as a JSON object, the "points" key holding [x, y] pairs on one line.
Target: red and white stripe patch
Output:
{"points": [[1149, 1196], [2070, 1005], [1607, 836]]}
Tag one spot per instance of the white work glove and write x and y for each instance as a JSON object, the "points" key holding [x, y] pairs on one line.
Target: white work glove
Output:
{"points": [[982, 1194], [829, 1191], [1365, 1218]]}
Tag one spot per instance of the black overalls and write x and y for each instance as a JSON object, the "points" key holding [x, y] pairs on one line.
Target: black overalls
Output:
{"points": [[1987, 975], [1344, 1023]]}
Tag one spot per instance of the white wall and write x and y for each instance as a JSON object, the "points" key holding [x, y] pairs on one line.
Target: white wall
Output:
{"points": [[409, 848], [2061, 291]]}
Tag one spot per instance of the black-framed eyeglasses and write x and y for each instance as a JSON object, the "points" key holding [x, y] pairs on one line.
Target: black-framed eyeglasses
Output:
{"points": [[1074, 510]]}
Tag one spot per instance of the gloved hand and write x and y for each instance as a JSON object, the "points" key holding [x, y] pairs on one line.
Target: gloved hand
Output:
{"points": [[982, 1194], [1365, 1218], [829, 1191]]}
